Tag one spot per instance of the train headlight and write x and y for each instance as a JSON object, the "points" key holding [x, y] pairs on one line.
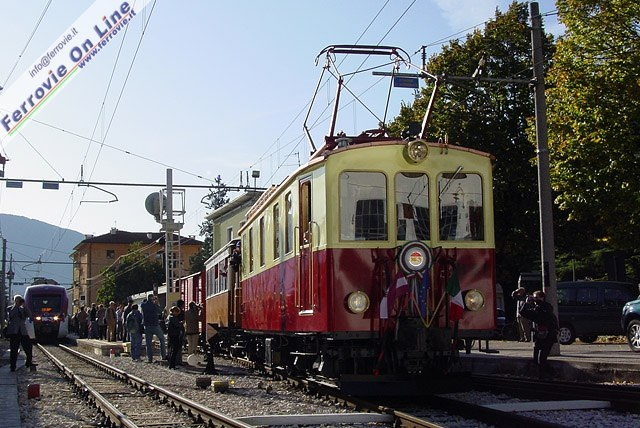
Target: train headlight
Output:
{"points": [[417, 150], [38, 318], [473, 300], [358, 302], [56, 318]]}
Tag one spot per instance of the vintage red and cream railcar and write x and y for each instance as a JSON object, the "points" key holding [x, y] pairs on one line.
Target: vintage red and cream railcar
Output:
{"points": [[373, 258]]}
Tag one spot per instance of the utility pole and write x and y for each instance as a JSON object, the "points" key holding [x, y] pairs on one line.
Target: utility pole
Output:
{"points": [[547, 244], [3, 290], [172, 237]]}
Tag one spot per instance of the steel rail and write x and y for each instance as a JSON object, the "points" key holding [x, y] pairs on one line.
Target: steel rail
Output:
{"points": [[195, 410], [97, 399], [622, 397]]}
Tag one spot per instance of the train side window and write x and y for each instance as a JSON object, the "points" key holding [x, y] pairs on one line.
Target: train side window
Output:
{"points": [[250, 249], [412, 200], [111, 254], [363, 206], [276, 231], [261, 243], [288, 241], [461, 210]]}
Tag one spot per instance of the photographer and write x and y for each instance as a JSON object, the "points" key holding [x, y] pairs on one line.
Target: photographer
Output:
{"points": [[17, 332], [545, 326]]}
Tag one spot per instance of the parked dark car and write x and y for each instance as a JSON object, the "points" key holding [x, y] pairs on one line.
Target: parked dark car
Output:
{"points": [[631, 323], [588, 309]]}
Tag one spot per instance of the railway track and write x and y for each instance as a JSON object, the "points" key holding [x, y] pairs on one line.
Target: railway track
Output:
{"points": [[621, 397], [129, 401]]}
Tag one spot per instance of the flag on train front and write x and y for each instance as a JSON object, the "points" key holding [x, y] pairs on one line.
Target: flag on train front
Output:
{"points": [[422, 292], [395, 291], [456, 307]]}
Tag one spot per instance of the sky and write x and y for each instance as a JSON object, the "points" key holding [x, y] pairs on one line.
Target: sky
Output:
{"points": [[204, 88]]}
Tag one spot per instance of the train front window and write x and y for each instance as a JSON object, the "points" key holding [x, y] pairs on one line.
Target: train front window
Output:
{"points": [[412, 202], [461, 211], [46, 304], [363, 206]]}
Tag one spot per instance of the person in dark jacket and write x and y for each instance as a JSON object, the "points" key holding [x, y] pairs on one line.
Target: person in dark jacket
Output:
{"points": [[151, 314], [545, 327], [174, 331], [17, 332]]}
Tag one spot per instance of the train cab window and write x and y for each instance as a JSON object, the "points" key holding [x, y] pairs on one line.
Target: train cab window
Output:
{"points": [[48, 303], [461, 211], [363, 206], [412, 200], [276, 231], [288, 238]]}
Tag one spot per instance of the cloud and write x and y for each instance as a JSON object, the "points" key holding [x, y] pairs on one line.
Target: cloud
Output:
{"points": [[462, 14]]}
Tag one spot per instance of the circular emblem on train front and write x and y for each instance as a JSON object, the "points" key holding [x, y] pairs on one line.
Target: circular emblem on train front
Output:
{"points": [[415, 256]]}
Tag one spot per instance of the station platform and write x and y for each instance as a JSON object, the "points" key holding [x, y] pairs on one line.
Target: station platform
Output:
{"points": [[9, 408], [597, 362]]}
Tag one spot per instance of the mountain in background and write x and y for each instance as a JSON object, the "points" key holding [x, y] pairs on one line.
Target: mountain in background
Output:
{"points": [[30, 241]]}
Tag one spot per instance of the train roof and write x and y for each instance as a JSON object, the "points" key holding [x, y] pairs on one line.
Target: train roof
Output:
{"points": [[44, 288]]}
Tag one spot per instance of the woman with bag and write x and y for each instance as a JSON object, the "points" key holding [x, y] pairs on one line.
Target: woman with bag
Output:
{"points": [[17, 332]]}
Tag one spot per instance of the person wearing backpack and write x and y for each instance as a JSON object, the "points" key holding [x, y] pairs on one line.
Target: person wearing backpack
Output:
{"points": [[134, 328]]}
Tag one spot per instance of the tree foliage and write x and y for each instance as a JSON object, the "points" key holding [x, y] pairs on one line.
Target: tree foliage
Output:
{"points": [[492, 117], [594, 122], [594, 134], [216, 198], [135, 272]]}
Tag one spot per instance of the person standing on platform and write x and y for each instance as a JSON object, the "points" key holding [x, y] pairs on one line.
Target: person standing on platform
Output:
{"points": [[17, 332], [545, 327], [175, 332], [93, 322], [111, 321], [151, 313], [192, 331], [83, 322], [119, 322], [101, 316], [127, 310], [133, 324], [180, 305], [524, 325]]}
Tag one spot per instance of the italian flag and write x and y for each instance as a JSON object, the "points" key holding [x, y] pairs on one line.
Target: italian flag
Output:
{"points": [[456, 307]]}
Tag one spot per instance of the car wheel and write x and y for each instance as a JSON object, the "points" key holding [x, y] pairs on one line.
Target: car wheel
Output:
{"points": [[588, 339], [567, 335], [633, 335]]}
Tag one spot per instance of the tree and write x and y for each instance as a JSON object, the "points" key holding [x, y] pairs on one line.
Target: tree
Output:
{"points": [[216, 198], [594, 124], [493, 117], [135, 272]]}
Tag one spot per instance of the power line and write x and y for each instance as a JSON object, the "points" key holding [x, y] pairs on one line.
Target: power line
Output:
{"points": [[113, 183]]}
